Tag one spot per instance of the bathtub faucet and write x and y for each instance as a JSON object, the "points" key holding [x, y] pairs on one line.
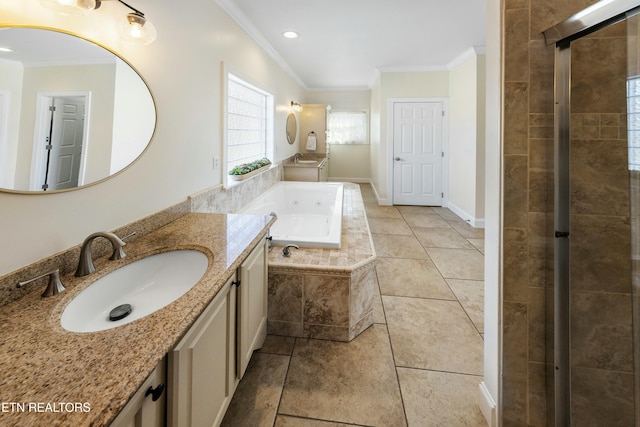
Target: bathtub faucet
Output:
{"points": [[286, 251]]}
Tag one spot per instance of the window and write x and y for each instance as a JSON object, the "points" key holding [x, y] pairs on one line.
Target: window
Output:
{"points": [[633, 121], [249, 123], [347, 127]]}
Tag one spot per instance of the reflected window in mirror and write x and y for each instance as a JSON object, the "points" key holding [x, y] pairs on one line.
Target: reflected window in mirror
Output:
{"points": [[72, 113]]}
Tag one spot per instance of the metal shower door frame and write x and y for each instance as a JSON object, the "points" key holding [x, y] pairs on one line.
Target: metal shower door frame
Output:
{"points": [[587, 21]]}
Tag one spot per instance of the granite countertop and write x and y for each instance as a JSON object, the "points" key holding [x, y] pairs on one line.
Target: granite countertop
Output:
{"points": [[46, 368]]}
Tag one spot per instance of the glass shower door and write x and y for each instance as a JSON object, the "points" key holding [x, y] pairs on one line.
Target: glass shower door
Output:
{"points": [[592, 316]]}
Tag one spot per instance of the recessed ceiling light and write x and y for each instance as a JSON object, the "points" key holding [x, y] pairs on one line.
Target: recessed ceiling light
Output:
{"points": [[5, 49], [290, 34]]}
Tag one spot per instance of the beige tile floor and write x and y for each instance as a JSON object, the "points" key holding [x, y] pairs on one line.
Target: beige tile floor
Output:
{"points": [[420, 363]]}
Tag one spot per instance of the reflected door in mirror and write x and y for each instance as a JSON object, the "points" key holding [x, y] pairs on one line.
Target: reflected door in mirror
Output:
{"points": [[95, 139]]}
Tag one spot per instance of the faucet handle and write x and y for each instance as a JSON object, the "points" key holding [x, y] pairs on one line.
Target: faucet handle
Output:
{"points": [[118, 252], [118, 244], [54, 287]]}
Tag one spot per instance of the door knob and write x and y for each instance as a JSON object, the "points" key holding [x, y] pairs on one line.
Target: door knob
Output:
{"points": [[398, 159]]}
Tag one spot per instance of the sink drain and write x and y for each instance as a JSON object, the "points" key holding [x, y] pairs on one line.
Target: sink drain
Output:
{"points": [[120, 312]]}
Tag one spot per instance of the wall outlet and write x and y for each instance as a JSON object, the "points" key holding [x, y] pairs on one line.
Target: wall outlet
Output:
{"points": [[216, 162]]}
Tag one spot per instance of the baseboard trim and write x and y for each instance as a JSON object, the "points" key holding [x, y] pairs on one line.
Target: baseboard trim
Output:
{"points": [[474, 222], [487, 405], [381, 200]]}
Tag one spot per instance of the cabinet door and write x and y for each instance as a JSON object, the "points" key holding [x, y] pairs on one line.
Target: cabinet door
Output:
{"points": [[252, 306], [142, 410], [295, 173], [201, 367]]}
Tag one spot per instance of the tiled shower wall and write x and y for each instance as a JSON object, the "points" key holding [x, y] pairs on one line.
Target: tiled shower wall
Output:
{"points": [[528, 227], [600, 242]]}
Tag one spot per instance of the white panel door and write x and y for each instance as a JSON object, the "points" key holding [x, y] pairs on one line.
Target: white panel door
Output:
{"points": [[417, 153], [66, 141]]}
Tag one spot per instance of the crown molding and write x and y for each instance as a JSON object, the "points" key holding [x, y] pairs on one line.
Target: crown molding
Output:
{"points": [[230, 7]]}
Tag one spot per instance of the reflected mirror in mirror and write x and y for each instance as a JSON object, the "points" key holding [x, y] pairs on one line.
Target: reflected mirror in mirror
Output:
{"points": [[292, 128], [72, 113]]}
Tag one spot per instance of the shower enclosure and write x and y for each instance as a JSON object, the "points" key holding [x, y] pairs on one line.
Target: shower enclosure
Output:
{"points": [[592, 312]]}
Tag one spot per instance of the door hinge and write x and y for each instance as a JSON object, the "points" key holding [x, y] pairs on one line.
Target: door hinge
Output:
{"points": [[45, 186], [442, 195], [52, 108], [442, 154], [442, 113], [48, 147], [237, 283]]}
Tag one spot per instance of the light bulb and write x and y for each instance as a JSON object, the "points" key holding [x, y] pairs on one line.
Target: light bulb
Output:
{"points": [[137, 29]]}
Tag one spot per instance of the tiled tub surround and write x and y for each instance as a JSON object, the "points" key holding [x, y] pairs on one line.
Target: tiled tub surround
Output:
{"points": [[315, 293], [42, 362], [326, 293], [237, 195]]}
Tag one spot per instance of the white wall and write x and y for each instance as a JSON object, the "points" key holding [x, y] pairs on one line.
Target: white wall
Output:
{"points": [[419, 84], [348, 162], [183, 70], [11, 79], [466, 138], [134, 117], [490, 396], [375, 118], [481, 137]]}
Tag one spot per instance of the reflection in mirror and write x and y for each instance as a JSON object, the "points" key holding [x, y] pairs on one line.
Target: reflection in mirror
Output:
{"points": [[292, 128], [71, 112]]}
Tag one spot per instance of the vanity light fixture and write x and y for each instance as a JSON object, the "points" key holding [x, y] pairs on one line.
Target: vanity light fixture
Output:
{"points": [[70, 7], [295, 106], [290, 35], [134, 28]]}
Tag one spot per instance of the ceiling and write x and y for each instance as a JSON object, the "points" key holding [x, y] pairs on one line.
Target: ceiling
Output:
{"points": [[35, 47], [344, 43]]}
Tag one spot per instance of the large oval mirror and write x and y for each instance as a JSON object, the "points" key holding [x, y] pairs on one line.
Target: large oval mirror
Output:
{"points": [[292, 128], [72, 113]]}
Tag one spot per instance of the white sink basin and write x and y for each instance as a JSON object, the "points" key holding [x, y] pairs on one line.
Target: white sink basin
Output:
{"points": [[147, 285], [307, 161]]}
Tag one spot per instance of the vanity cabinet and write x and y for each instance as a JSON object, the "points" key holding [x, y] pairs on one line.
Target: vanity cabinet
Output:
{"points": [[316, 173], [252, 306], [206, 365], [201, 372], [323, 172], [147, 406]]}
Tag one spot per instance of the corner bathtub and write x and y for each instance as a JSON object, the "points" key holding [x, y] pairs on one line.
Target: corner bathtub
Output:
{"points": [[309, 213]]}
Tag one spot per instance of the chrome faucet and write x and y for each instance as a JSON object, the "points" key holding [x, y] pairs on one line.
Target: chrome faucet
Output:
{"points": [[297, 157], [286, 251], [85, 265]]}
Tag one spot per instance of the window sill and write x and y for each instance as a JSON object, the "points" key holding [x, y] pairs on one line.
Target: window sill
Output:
{"points": [[247, 177]]}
